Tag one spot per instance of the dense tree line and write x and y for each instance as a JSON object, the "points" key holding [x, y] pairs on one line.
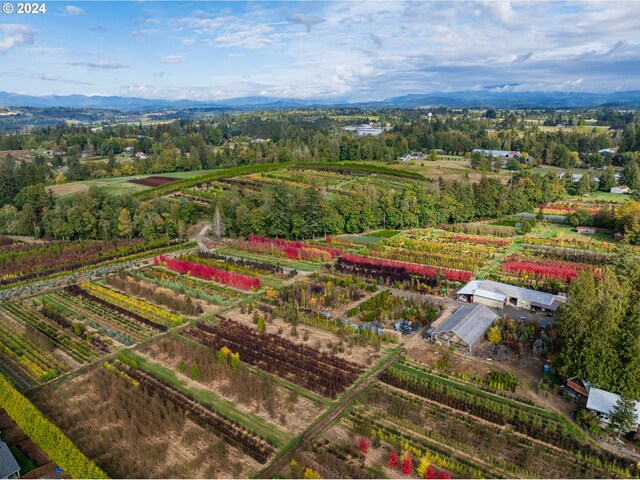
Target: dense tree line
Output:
{"points": [[287, 212], [599, 328], [93, 214]]}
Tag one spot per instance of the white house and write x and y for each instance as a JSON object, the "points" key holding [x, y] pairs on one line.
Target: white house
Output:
{"points": [[620, 190], [602, 404]]}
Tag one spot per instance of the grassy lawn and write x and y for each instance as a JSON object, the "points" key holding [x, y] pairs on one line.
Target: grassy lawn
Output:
{"points": [[383, 234], [118, 185], [599, 196], [207, 397], [566, 231]]}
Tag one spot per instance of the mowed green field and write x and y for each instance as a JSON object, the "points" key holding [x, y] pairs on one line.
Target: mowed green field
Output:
{"points": [[118, 185]]}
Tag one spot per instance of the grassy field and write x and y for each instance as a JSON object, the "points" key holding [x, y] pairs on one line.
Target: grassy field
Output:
{"points": [[117, 185], [565, 231], [600, 196]]}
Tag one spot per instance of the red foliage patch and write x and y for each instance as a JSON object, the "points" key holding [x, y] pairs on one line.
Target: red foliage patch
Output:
{"points": [[418, 269], [207, 272], [557, 270]]}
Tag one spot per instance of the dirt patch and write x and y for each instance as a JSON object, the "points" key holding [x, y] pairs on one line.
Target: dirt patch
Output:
{"points": [[134, 435], [291, 415], [153, 181]]}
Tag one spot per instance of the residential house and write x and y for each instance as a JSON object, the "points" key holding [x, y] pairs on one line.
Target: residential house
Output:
{"points": [[603, 403]]}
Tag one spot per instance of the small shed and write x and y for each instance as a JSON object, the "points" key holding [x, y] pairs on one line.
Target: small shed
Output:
{"points": [[9, 467], [586, 230], [620, 190], [465, 327]]}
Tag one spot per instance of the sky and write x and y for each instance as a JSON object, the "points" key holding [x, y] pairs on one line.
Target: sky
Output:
{"points": [[347, 50]]}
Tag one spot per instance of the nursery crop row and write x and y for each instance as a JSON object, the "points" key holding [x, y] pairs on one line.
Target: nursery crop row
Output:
{"points": [[567, 254], [147, 310], [251, 266], [402, 271], [317, 371], [572, 243], [553, 269], [447, 260], [287, 248], [498, 411], [444, 245], [206, 272], [66, 264], [26, 355], [206, 291], [79, 291], [107, 321], [75, 347], [252, 444]]}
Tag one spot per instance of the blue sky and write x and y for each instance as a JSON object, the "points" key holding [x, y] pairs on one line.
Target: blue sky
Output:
{"points": [[348, 50]]}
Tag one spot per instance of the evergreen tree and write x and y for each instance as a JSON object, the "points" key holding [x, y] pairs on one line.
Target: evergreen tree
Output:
{"points": [[278, 217], [607, 179], [624, 417]]}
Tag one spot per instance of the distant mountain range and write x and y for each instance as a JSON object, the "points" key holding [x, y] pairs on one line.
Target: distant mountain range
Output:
{"points": [[490, 97]]}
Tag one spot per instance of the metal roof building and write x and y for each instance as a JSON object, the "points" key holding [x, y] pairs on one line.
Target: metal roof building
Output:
{"points": [[9, 468], [465, 327], [517, 296], [603, 402]]}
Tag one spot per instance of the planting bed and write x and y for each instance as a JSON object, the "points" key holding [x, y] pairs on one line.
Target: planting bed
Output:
{"points": [[153, 181], [306, 366], [138, 435]]}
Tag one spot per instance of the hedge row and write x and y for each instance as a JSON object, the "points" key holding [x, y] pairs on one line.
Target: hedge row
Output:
{"points": [[216, 175], [265, 167], [46, 435]]}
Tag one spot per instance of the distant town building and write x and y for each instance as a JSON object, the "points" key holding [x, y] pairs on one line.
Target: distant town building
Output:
{"points": [[607, 151], [364, 130], [497, 153]]}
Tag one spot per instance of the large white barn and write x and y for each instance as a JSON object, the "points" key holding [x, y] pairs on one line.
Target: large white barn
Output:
{"points": [[497, 295]]}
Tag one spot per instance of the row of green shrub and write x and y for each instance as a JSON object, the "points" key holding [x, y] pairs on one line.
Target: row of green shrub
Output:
{"points": [[46, 435]]}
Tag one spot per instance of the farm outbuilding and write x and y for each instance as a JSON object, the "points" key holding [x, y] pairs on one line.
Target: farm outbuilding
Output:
{"points": [[602, 404], [620, 190], [464, 328], [494, 294], [9, 467]]}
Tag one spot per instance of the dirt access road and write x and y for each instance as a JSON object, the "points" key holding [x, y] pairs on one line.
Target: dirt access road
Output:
{"points": [[324, 422]]}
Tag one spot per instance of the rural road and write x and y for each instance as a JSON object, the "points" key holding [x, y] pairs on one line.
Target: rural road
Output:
{"points": [[316, 428]]}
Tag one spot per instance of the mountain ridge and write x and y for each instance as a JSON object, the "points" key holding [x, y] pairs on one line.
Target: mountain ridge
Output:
{"points": [[494, 97]]}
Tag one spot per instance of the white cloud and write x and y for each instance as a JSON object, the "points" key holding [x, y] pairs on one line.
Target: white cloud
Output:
{"points": [[188, 41], [100, 65], [172, 59], [143, 32], [73, 10], [15, 35]]}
